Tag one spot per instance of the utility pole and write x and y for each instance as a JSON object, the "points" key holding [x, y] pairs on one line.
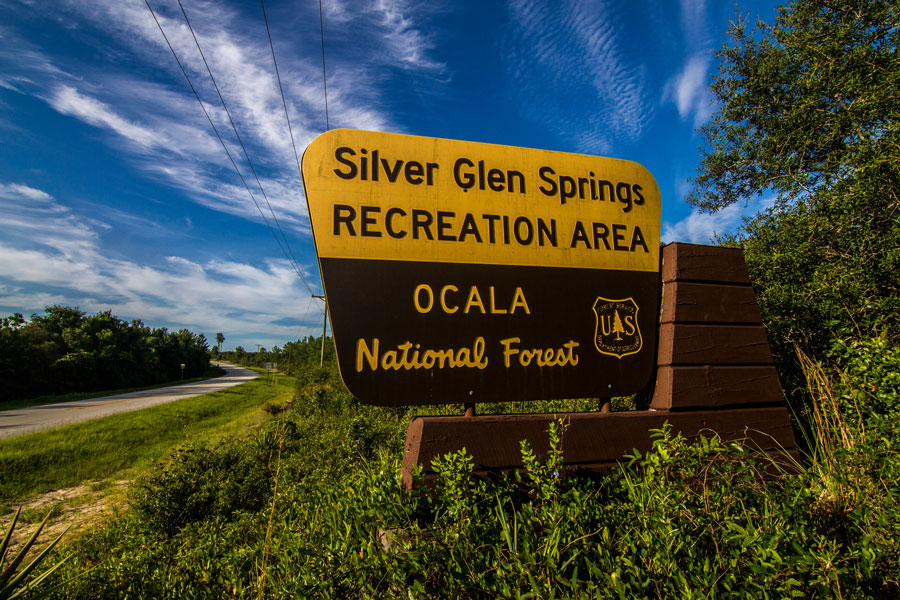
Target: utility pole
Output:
{"points": [[324, 323]]}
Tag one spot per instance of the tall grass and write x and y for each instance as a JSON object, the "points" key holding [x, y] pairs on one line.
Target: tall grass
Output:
{"points": [[831, 437]]}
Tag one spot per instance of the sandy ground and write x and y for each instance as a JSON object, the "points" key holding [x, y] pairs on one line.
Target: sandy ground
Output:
{"points": [[81, 509]]}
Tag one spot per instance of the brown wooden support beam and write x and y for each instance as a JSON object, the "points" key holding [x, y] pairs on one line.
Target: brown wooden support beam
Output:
{"points": [[691, 262], [714, 386], [687, 302], [681, 344], [592, 441]]}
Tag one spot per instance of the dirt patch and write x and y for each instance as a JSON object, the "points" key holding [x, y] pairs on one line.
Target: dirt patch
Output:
{"points": [[79, 508]]}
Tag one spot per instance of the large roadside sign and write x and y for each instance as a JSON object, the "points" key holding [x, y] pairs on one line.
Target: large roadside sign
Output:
{"points": [[467, 272]]}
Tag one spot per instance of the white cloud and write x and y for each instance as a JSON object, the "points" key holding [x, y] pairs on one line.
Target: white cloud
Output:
{"points": [[15, 299], [17, 191], [69, 101], [66, 256], [389, 28], [409, 44], [29, 214], [693, 21], [703, 228], [690, 90]]}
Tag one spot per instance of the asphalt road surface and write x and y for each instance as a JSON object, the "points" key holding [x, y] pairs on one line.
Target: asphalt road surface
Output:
{"points": [[35, 418]]}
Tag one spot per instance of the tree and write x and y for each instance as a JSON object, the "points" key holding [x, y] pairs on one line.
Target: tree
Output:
{"points": [[807, 103], [809, 111], [219, 339], [617, 325]]}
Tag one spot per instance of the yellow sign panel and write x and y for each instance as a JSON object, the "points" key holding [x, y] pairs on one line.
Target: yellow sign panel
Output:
{"points": [[384, 196]]}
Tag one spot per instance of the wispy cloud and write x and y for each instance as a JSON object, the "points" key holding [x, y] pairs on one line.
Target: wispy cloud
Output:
{"points": [[65, 255], [69, 101], [571, 70], [161, 126], [392, 32], [693, 22], [16, 191], [690, 90], [31, 215], [409, 44]]}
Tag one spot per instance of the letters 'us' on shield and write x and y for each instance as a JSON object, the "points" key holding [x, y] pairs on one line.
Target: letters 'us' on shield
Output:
{"points": [[467, 272]]}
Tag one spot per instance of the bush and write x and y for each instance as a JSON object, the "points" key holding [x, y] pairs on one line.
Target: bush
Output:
{"points": [[869, 372], [199, 482]]}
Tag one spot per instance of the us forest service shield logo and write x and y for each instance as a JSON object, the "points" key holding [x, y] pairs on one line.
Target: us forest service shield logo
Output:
{"points": [[617, 332]]}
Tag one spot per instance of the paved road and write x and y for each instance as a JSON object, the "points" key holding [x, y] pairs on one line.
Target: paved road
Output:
{"points": [[25, 420]]}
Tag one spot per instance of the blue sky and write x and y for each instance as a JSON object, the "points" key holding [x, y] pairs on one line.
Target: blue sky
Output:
{"points": [[116, 194]]}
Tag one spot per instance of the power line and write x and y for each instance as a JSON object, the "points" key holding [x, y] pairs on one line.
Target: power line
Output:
{"points": [[290, 131], [324, 80], [287, 245], [222, 142], [308, 305], [292, 259], [327, 127], [281, 90]]}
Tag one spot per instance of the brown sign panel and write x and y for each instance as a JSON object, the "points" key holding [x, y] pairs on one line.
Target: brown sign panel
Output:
{"points": [[466, 272]]}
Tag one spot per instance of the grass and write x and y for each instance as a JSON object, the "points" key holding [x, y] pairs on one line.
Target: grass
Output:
{"points": [[36, 515], [123, 446], [211, 373]]}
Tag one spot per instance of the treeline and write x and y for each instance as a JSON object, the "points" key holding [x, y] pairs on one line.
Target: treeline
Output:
{"points": [[66, 350], [293, 358]]}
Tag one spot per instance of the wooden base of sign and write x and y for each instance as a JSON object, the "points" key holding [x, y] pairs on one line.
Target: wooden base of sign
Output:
{"points": [[591, 441], [714, 374], [712, 348]]}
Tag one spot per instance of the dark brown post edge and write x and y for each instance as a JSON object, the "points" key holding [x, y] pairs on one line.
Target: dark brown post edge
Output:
{"points": [[714, 374]]}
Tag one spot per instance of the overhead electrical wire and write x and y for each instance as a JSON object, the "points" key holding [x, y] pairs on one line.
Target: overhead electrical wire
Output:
{"points": [[285, 248], [306, 314], [290, 130], [327, 127], [221, 141], [324, 80], [281, 91], [291, 259]]}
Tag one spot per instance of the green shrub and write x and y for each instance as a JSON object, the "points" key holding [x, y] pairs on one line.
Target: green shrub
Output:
{"points": [[199, 482], [869, 372]]}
